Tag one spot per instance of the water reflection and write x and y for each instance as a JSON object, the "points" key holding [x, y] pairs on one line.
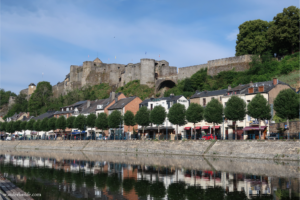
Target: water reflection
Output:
{"points": [[66, 179]]}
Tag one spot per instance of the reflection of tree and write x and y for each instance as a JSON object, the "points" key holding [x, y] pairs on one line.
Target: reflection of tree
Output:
{"points": [[89, 180], [78, 178], [215, 193], [266, 197], [282, 194], [58, 175], [236, 195], [176, 191], [194, 192], [128, 184], [100, 180], [113, 182], [142, 188], [158, 190], [69, 177]]}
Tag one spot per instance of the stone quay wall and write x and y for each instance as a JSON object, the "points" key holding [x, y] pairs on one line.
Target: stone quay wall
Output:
{"points": [[294, 127], [277, 150]]}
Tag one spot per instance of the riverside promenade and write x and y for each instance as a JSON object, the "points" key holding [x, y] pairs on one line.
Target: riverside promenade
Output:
{"points": [[275, 150]]}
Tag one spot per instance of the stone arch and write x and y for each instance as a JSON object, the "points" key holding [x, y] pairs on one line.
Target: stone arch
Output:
{"points": [[165, 83]]}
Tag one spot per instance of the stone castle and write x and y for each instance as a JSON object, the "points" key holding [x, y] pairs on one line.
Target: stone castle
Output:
{"points": [[150, 72]]}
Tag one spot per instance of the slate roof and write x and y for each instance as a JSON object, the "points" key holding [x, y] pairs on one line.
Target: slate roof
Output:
{"points": [[75, 104], [48, 114], [63, 112], [169, 98], [121, 103], [209, 93], [268, 86], [31, 84], [91, 109], [103, 102]]}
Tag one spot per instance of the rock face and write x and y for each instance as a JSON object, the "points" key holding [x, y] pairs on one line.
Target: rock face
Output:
{"points": [[277, 150]]}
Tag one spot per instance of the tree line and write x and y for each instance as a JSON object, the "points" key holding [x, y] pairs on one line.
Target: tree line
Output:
{"points": [[286, 105]]}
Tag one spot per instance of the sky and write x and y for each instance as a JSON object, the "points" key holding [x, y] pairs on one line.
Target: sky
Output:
{"points": [[40, 40]]}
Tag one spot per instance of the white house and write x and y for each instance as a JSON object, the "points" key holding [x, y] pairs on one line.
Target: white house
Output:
{"points": [[167, 126]]}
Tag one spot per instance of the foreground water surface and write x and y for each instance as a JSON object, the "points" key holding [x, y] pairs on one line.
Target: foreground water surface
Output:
{"points": [[82, 179]]}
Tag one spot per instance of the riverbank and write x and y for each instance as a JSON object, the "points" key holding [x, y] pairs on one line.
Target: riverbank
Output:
{"points": [[275, 150]]}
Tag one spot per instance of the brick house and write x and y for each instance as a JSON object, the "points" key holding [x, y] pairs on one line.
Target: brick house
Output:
{"points": [[123, 105]]}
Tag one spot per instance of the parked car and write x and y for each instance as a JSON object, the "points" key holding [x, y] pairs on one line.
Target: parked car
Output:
{"points": [[8, 138], [209, 137], [21, 138]]}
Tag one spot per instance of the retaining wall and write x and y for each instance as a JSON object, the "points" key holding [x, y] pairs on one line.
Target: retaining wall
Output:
{"points": [[277, 150]]}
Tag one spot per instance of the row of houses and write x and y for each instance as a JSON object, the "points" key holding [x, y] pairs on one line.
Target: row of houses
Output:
{"points": [[246, 129]]}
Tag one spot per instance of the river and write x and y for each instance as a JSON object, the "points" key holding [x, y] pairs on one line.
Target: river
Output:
{"points": [[71, 178]]}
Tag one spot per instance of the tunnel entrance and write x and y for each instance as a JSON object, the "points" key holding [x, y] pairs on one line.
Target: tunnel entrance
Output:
{"points": [[166, 84]]}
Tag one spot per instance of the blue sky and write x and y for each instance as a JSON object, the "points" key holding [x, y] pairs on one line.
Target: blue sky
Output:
{"points": [[48, 36]]}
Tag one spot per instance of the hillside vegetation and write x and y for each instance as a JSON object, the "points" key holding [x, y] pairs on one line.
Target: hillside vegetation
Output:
{"points": [[134, 88], [261, 69]]}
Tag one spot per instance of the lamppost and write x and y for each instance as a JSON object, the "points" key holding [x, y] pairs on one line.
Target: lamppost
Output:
{"points": [[223, 116]]}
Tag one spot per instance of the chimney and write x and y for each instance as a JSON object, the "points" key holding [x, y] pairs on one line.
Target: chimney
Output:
{"points": [[229, 87], [261, 88], [275, 81], [88, 103], [251, 84], [112, 96]]}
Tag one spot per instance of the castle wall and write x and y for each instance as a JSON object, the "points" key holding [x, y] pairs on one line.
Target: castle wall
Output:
{"points": [[187, 72], [147, 72], [132, 72]]}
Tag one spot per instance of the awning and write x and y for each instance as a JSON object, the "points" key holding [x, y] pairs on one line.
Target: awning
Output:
{"points": [[187, 128], [205, 127], [217, 126], [254, 128], [77, 132], [198, 127]]}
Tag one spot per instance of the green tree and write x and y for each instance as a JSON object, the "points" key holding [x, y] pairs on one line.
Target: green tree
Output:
{"points": [[194, 114], [52, 123], [44, 124], [61, 123], [3, 126], [90, 120], [113, 182], [252, 38], [235, 109], [286, 105], [260, 109], [17, 125], [36, 125], [142, 117], [102, 121], [40, 97], [23, 126], [70, 122], [213, 113], [29, 125], [80, 122], [129, 119], [114, 120], [158, 116], [284, 33], [10, 127], [176, 116]]}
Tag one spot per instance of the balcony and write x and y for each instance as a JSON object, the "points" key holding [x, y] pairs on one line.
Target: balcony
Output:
{"points": [[254, 122]]}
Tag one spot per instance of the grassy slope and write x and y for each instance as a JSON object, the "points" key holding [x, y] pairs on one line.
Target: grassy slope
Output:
{"points": [[134, 88], [293, 79]]}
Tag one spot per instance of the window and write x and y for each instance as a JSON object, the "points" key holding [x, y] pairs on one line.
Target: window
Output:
{"points": [[213, 98], [67, 109], [204, 102], [151, 106], [220, 98], [248, 117]]}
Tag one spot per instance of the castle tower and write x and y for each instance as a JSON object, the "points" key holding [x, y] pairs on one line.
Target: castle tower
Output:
{"points": [[97, 60], [31, 89]]}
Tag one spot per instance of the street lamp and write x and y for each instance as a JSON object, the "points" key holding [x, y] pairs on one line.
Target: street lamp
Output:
{"points": [[223, 116]]}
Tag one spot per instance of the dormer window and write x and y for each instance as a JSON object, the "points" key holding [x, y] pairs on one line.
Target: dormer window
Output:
{"points": [[62, 109], [261, 88], [67, 109]]}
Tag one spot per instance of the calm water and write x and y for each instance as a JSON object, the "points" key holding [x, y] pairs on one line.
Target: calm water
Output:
{"points": [[75, 179]]}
